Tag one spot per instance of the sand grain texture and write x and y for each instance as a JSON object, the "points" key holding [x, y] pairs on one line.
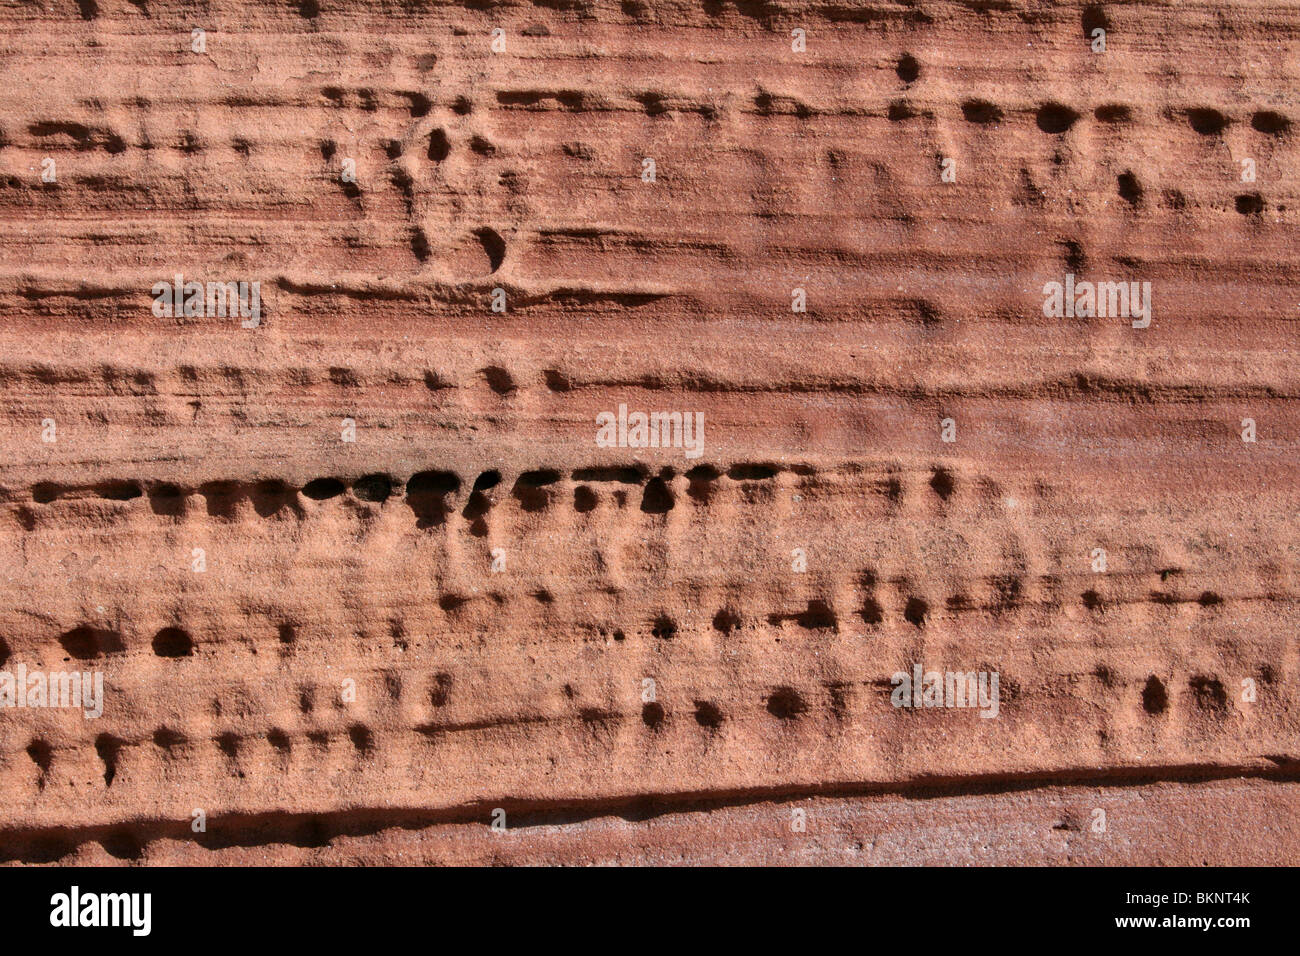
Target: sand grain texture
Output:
{"points": [[328, 561]]}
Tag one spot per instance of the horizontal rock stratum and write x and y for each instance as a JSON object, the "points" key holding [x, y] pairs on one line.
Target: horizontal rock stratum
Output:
{"points": [[625, 404]]}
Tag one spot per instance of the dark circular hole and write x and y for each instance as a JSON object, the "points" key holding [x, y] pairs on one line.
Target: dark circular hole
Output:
{"points": [[785, 703], [1155, 700], [657, 499], [167, 499], [172, 642], [1113, 113], [981, 111], [120, 490], [652, 714], [123, 844], [493, 244], [1055, 118], [45, 492], [1130, 189], [584, 499], [908, 69], [1094, 18], [489, 479], [362, 739], [1267, 121], [322, 488], [726, 621], [1250, 205], [915, 612], [374, 488], [499, 379], [900, 111], [42, 754], [1207, 122], [665, 628], [86, 642], [707, 714], [166, 738], [439, 145], [942, 483], [871, 612]]}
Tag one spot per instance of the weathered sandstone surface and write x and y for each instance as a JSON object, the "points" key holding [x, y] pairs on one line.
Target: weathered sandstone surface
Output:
{"points": [[361, 576]]}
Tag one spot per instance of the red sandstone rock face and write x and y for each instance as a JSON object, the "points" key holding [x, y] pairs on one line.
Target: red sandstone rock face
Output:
{"points": [[361, 650]]}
